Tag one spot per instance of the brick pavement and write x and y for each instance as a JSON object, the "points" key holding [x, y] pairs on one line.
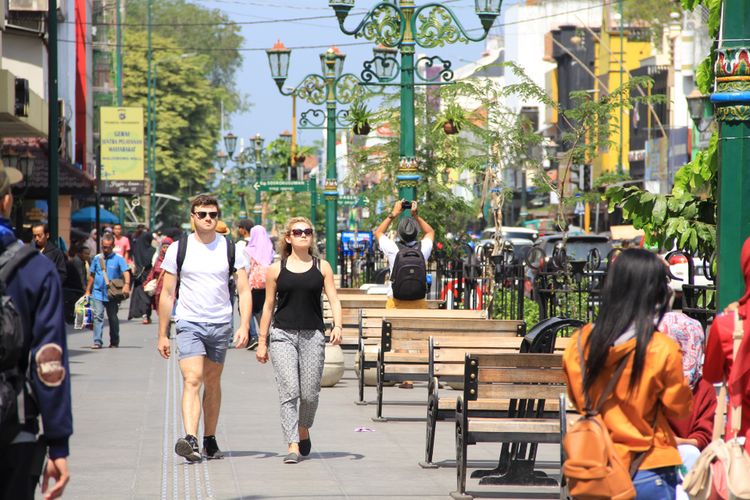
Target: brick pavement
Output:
{"points": [[126, 422]]}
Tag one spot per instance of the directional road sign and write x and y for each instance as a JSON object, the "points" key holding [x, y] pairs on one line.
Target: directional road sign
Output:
{"points": [[282, 186]]}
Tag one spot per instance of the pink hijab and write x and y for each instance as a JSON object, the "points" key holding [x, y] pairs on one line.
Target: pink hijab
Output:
{"points": [[259, 246]]}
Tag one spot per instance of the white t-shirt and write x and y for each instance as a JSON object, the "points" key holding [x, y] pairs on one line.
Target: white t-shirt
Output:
{"points": [[390, 249], [204, 290]]}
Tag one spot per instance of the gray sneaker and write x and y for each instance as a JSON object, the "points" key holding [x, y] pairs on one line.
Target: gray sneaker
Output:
{"points": [[187, 447], [291, 458]]}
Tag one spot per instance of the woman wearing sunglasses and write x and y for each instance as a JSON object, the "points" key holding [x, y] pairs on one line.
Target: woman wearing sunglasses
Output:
{"points": [[291, 331]]}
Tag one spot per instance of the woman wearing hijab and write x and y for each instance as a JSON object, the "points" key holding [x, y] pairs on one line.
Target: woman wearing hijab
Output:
{"points": [[259, 251], [696, 431], [720, 363]]}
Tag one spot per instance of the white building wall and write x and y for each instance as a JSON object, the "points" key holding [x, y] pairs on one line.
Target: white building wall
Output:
{"points": [[25, 56], [524, 30]]}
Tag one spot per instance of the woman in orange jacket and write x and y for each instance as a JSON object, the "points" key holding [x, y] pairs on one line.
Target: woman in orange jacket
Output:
{"points": [[652, 387]]}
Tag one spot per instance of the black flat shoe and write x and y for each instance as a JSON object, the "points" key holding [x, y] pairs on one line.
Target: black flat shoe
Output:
{"points": [[305, 446]]}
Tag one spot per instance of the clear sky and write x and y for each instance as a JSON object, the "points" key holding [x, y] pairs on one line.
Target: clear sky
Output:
{"points": [[270, 113]]}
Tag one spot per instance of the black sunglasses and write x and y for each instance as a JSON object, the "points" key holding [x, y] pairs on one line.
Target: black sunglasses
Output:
{"points": [[300, 232], [202, 214]]}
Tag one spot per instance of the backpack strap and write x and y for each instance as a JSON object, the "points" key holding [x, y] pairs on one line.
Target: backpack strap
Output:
{"points": [[182, 245], [103, 265], [589, 411], [12, 258], [230, 256]]}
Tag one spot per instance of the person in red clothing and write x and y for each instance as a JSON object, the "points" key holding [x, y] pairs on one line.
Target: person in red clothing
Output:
{"points": [[720, 364], [694, 432]]}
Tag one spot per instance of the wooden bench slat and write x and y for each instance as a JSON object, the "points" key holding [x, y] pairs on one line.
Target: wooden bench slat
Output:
{"points": [[458, 355], [511, 425], [378, 314], [518, 391], [525, 360], [526, 375], [408, 369], [448, 404]]}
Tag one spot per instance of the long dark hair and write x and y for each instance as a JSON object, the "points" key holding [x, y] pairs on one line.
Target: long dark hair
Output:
{"points": [[636, 292]]}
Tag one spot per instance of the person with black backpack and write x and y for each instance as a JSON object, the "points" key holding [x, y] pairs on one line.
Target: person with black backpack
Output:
{"points": [[407, 259], [33, 365], [204, 266]]}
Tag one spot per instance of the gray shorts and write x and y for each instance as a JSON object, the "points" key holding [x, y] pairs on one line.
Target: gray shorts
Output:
{"points": [[203, 339]]}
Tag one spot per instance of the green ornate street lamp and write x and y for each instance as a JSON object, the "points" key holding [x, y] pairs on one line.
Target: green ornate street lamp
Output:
{"points": [[401, 26], [241, 161], [731, 99], [257, 142], [331, 88]]}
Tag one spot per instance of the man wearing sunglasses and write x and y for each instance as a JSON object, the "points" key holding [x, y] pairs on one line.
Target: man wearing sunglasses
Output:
{"points": [[203, 320]]}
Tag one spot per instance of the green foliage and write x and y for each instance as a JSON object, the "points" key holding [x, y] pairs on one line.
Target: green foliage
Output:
{"points": [[656, 13], [441, 159], [454, 114], [685, 218], [186, 118], [194, 28], [359, 114]]}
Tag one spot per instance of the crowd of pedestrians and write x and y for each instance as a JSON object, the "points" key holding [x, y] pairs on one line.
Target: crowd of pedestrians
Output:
{"points": [[645, 370]]}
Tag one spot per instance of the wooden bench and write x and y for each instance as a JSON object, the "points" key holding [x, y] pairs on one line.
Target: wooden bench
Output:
{"points": [[370, 331], [529, 382], [446, 366], [350, 306], [403, 354]]}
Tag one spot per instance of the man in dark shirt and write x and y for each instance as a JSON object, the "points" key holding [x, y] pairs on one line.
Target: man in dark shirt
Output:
{"points": [[49, 249], [36, 294], [78, 268]]}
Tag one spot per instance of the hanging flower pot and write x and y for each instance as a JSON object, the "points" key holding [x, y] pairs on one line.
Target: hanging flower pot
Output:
{"points": [[450, 128], [361, 128], [299, 158]]}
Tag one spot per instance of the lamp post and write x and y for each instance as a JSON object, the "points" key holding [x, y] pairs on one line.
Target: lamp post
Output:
{"points": [[332, 87], [401, 26], [731, 99], [240, 160], [258, 147]]}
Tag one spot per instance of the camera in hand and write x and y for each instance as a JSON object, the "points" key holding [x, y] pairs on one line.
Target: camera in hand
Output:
{"points": [[406, 205]]}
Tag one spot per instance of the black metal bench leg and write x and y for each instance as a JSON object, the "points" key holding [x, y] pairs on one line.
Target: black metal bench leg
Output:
{"points": [[379, 412], [432, 411], [361, 379], [461, 440]]}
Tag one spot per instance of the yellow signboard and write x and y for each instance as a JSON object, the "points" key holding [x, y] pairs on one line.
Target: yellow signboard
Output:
{"points": [[121, 144]]}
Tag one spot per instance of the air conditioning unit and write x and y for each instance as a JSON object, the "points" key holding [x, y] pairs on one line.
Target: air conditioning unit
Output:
{"points": [[22, 97], [28, 5]]}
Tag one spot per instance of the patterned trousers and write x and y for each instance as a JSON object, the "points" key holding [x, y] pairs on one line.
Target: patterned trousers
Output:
{"points": [[297, 357]]}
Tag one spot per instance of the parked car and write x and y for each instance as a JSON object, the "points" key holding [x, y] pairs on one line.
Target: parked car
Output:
{"points": [[511, 232], [578, 249]]}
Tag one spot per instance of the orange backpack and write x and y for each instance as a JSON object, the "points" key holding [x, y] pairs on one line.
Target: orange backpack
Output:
{"points": [[592, 468]]}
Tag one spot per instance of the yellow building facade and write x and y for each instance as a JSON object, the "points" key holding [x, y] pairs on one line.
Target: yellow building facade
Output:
{"points": [[634, 46]]}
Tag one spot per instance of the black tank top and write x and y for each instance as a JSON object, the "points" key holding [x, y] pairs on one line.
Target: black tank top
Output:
{"points": [[298, 299]]}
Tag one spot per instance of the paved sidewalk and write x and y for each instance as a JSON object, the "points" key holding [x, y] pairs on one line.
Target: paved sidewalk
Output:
{"points": [[126, 405]]}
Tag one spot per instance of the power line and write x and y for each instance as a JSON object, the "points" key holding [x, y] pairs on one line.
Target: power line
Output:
{"points": [[306, 47]]}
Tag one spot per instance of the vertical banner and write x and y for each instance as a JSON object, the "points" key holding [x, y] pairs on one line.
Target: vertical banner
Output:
{"points": [[122, 150]]}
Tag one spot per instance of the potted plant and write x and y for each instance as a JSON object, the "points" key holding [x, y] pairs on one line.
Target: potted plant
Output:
{"points": [[302, 153], [360, 117], [452, 119]]}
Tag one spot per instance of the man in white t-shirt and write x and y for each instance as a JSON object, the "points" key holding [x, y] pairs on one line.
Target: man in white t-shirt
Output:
{"points": [[203, 321], [408, 230]]}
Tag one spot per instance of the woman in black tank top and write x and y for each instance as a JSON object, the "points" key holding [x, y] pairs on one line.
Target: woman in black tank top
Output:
{"points": [[291, 331]]}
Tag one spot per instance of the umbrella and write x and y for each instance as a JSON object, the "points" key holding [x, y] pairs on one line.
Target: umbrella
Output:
{"points": [[87, 215]]}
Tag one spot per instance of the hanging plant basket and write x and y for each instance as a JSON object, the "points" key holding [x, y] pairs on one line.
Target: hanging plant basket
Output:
{"points": [[361, 129], [299, 158], [450, 128]]}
